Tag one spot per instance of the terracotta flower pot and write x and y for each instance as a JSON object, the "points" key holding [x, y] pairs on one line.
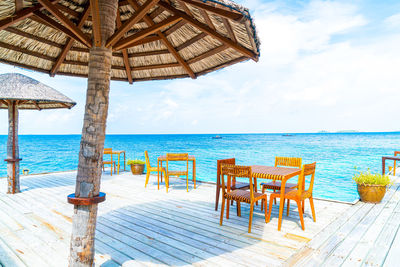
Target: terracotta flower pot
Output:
{"points": [[137, 169], [371, 193]]}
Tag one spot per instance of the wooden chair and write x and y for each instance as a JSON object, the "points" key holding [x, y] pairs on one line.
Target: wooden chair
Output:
{"points": [[239, 195], [108, 151], [178, 157], [299, 194], [154, 169], [234, 185], [276, 185]]}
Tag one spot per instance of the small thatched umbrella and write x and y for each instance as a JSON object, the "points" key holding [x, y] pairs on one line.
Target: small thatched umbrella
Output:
{"points": [[18, 91], [127, 40]]}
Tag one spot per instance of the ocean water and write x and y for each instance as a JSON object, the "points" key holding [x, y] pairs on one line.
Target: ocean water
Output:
{"points": [[336, 154]]}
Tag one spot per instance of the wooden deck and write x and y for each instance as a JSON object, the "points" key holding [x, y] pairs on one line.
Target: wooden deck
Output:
{"points": [[365, 235], [138, 226]]}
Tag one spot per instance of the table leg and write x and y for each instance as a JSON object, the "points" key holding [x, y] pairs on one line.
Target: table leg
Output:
{"points": [[161, 172], [124, 161], [255, 188], [194, 173], [158, 174], [383, 165], [119, 154], [281, 203]]}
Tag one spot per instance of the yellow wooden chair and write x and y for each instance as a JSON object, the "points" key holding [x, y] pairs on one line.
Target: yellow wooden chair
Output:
{"points": [[178, 157], [108, 151], [276, 185], [298, 195], [239, 195], [154, 169]]}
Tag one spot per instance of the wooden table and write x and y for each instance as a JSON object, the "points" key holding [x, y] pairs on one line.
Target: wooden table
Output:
{"points": [[275, 173], [191, 158], [119, 152]]}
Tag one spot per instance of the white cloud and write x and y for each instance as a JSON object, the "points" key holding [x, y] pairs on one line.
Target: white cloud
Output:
{"points": [[393, 21], [314, 73]]}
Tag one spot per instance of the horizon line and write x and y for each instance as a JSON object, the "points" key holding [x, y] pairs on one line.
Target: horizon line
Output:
{"points": [[283, 133]]}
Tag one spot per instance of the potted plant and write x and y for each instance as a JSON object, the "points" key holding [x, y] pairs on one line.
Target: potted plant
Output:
{"points": [[371, 187], [137, 166]]}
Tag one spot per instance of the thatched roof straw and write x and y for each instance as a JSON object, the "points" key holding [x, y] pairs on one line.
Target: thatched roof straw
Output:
{"points": [[30, 93], [191, 37]]}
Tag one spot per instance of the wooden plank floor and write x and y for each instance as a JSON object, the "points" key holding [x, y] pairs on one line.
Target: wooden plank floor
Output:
{"points": [[365, 235], [147, 227]]}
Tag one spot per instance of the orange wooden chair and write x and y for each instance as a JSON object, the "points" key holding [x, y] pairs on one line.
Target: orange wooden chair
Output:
{"points": [[276, 185], [108, 151], [239, 195], [299, 194], [178, 157], [154, 169], [234, 185]]}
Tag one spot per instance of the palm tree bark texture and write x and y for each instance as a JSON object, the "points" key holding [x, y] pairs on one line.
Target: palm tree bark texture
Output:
{"points": [[92, 140], [12, 149]]}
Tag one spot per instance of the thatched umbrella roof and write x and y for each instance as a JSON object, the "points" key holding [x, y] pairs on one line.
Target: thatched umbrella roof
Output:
{"points": [[31, 93], [174, 39]]}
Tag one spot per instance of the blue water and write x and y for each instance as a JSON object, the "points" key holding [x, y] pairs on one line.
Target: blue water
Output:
{"points": [[335, 154]]}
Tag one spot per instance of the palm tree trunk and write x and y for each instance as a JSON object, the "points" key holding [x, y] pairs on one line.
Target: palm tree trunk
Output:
{"points": [[12, 149], [92, 140]]}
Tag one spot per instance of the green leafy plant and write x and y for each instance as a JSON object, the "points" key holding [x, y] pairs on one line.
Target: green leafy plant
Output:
{"points": [[135, 161], [366, 178]]}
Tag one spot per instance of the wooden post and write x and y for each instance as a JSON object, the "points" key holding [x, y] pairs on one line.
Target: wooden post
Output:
{"points": [[12, 150], [92, 140]]}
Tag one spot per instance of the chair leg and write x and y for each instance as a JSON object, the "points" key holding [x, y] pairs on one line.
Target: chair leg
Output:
{"points": [[271, 199], [302, 205], [251, 216], [158, 182], [288, 206], [265, 210], [238, 210], [300, 214], [274, 198], [217, 191], [111, 169], [262, 202], [187, 183], [222, 211], [166, 180], [115, 168], [227, 208], [147, 178], [312, 208]]}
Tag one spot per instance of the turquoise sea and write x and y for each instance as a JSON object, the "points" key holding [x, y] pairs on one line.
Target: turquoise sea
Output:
{"points": [[335, 153]]}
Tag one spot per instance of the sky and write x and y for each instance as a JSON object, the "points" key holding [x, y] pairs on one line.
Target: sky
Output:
{"points": [[324, 65]]}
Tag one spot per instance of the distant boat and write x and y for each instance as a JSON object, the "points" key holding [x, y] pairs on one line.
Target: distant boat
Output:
{"points": [[287, 135], [217, 137]]}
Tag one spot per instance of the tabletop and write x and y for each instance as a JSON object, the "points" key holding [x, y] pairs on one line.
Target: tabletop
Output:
{"points": [[274, 173], [118, 151], [164, 157]]}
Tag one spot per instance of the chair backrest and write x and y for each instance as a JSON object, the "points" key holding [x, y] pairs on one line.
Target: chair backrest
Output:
{"points": [[231, 171], [288, 162], [223, 161], [146, 156], [108, 151], [307, 170], [178, 157]]}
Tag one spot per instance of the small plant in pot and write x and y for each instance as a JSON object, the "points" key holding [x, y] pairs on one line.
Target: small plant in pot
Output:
{"points": [[372, 187], [137, 166]]}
